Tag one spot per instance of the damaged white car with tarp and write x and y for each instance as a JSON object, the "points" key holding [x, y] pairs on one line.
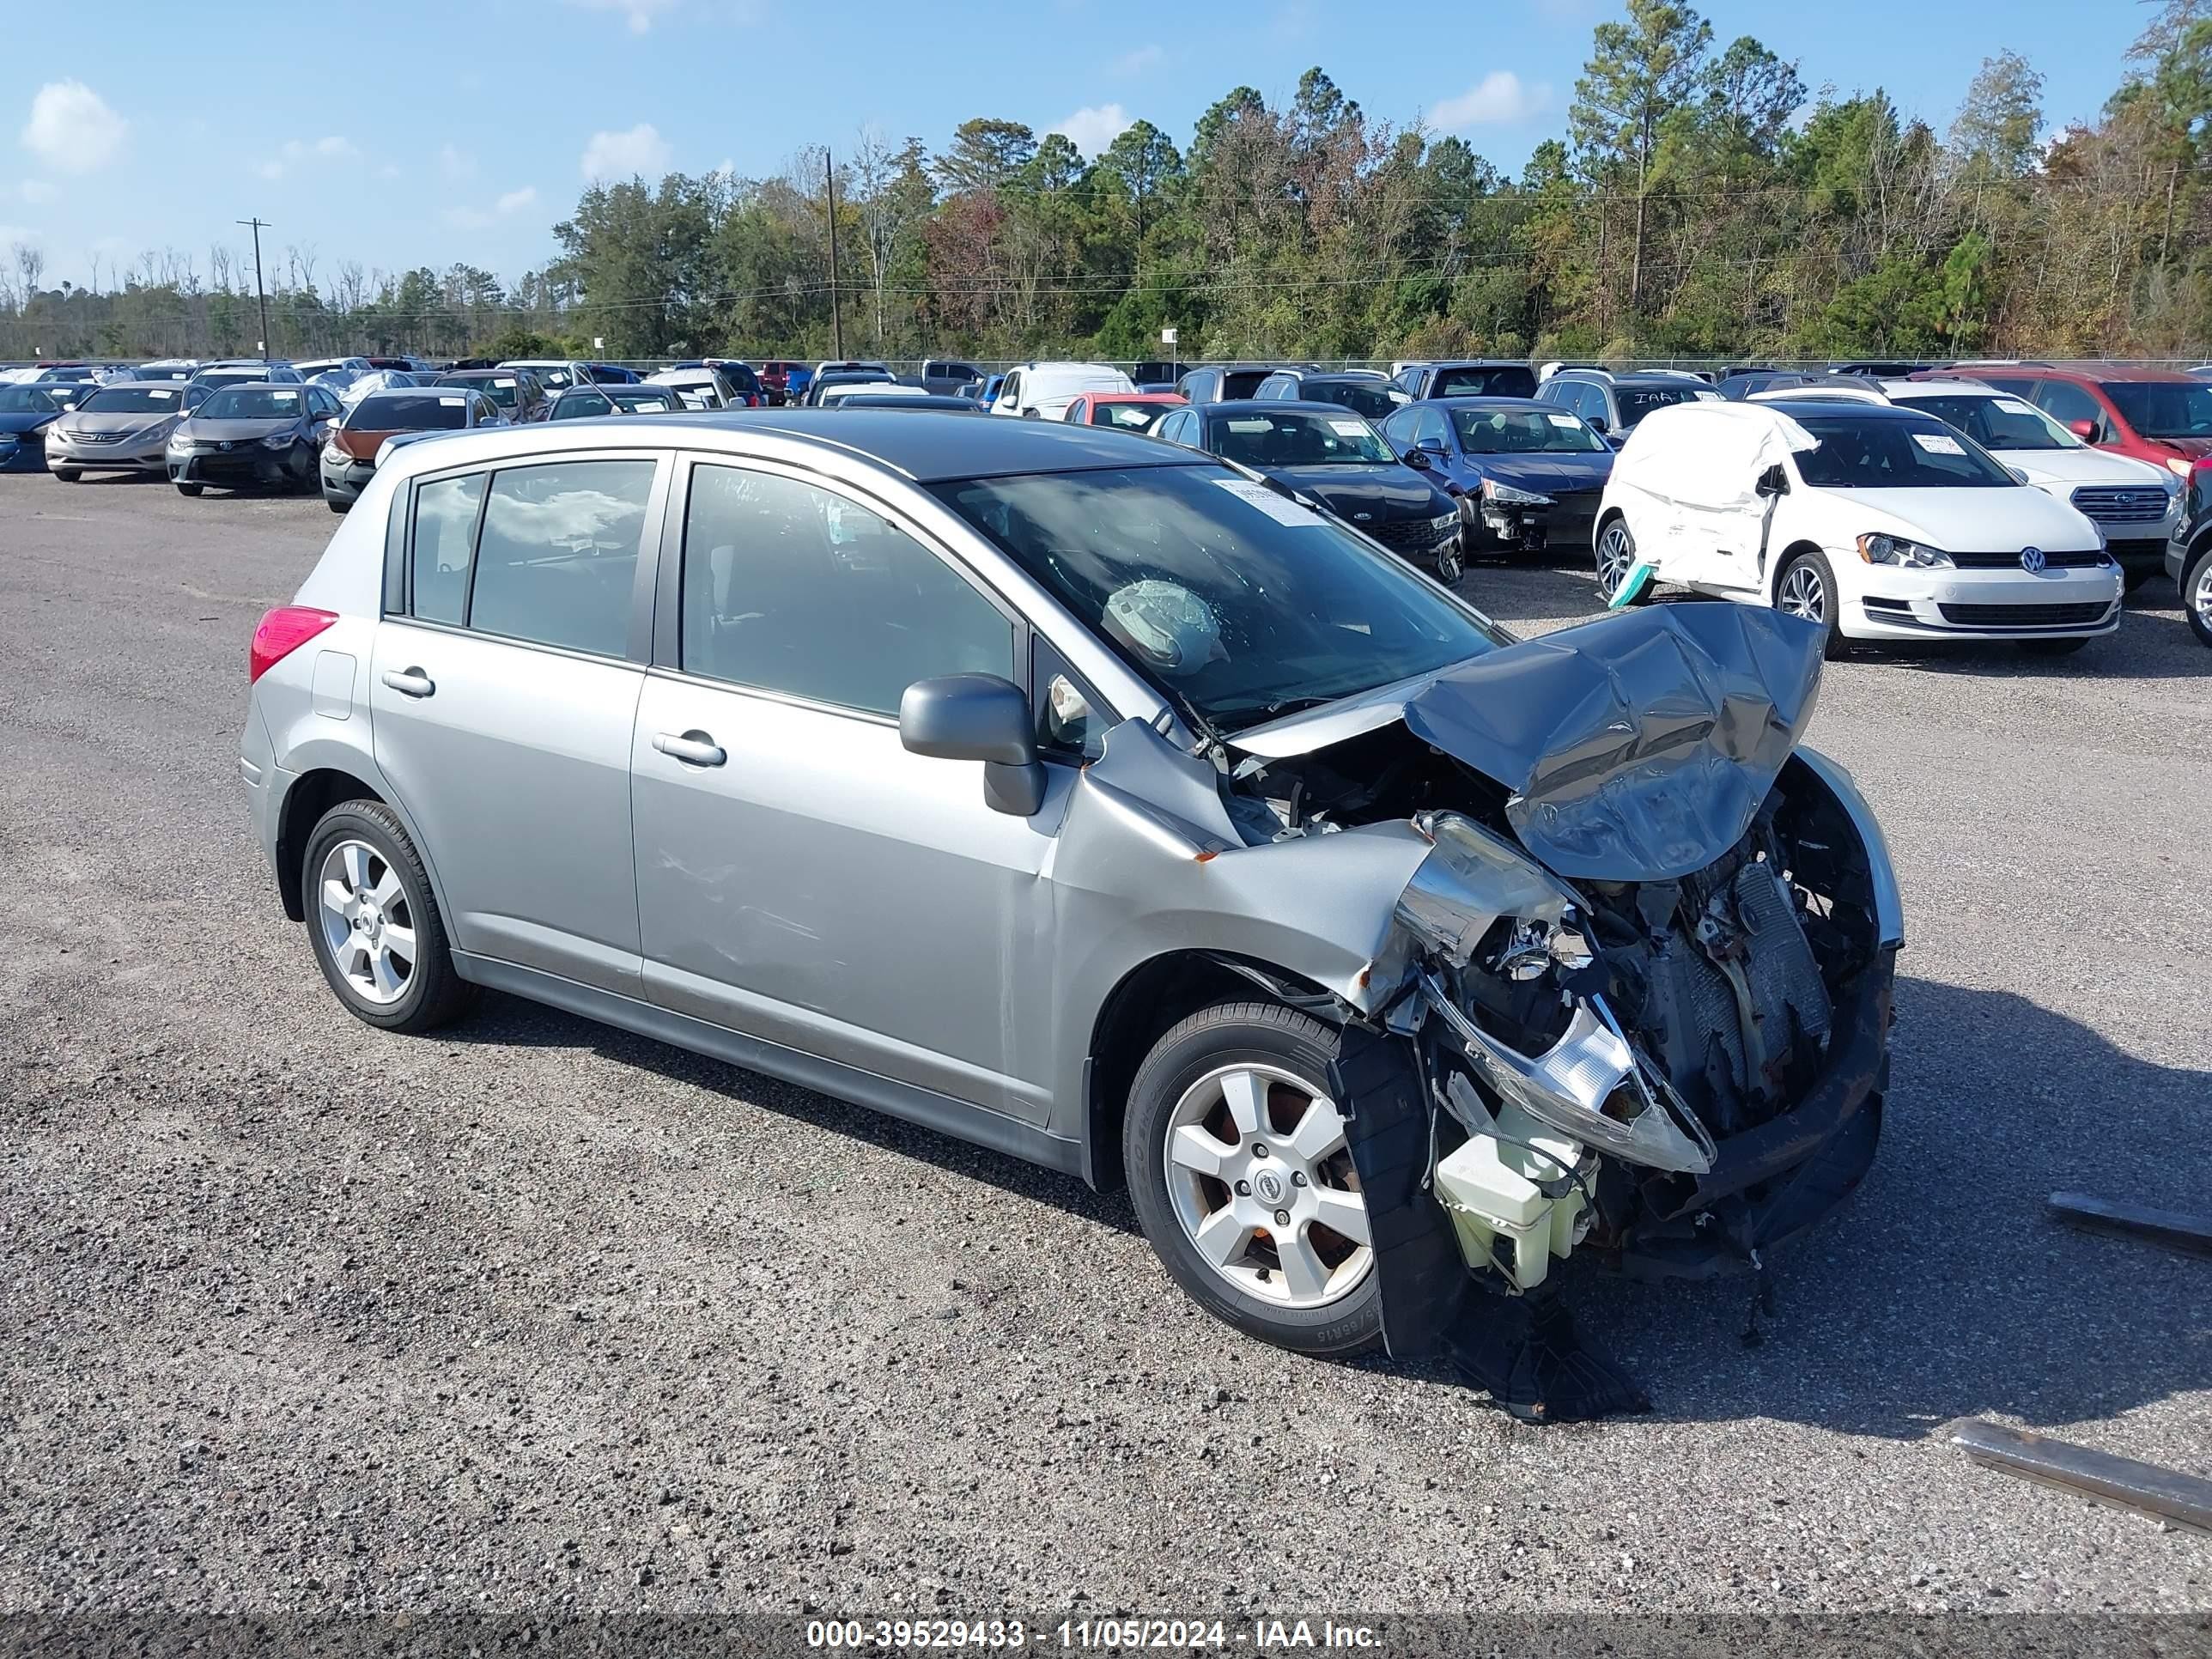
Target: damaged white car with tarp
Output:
{"points": [[1103, 805]]}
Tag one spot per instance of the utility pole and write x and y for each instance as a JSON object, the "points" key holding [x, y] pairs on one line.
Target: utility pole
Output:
{"points": [[836, 322], [259, 292]]}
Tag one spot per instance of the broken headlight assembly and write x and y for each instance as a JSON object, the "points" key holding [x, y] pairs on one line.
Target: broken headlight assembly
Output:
{"points": [[1495, 494]]}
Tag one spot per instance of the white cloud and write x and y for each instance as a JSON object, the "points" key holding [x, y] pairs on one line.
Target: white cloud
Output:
{"points": [[456, 163], [617, 156], [472, 218], [1091, 130], [297, 153], [11, 234], [1143, 58], [1499, 98], [35, 191], [641, 13], [72, 129]]}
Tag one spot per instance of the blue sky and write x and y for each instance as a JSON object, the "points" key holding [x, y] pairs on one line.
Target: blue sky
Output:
{"points": [[403, 132]]}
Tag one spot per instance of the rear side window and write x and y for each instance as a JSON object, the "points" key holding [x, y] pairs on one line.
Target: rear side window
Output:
{"points": [[444, 526], [558, 555], [790, 589]]}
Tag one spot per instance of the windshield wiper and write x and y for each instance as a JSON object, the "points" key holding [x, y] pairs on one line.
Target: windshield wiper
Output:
{"points": [[1277, 710]]}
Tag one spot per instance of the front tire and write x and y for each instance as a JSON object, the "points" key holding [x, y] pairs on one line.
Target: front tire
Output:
{"points": [[373, 922], [335, 504], [1615, 557], [69, 474], [1450, 567], [1241, 1180], [190, 488], [2196, 596], [1806, 588]]}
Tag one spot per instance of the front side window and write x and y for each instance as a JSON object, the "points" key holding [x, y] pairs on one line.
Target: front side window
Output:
{"points": [[1233, 600], [557, 556], [788, 587], [2068, 403], [1917, 454], [445, 528], [1130, 417]]}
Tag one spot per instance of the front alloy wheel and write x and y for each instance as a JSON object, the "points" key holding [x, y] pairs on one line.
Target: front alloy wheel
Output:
{"points": [[2196, 596], [1616, 557], [1803, 593]]}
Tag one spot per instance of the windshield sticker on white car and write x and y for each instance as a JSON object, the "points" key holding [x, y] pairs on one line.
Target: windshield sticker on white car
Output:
{"points": [[1567, 421], [1250, 424], [284, 397], [1280, 508], [1708, 397], [502, 383], [1938, 443], [2014, 406], [451, 403], [161, 397], [1349, 428]]}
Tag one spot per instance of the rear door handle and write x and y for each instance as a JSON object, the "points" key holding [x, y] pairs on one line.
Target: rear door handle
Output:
{"points": [[694, 748], [410, 682]]}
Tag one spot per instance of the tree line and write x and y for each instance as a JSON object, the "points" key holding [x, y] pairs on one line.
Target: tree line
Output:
{"points": [[1702, 203]]}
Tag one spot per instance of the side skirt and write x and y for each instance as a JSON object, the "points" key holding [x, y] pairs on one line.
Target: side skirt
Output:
{"points": [[960, 1119]]}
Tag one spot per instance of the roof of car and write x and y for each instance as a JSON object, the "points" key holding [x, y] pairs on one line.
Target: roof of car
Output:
{"points": [[1274, 406], [924, 445], [1474, 362], [1485, 400], [1806, 408]]}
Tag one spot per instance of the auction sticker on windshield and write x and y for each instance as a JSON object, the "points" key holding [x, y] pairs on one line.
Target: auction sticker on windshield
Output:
{"points": [[1567, 421], [1282, 512], [1349, 428], [1938, 443], [2014, 406], [449, 403], [162, 396]]}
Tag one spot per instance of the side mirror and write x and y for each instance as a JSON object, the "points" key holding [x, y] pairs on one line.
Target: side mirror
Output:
{"points": [[2018, 477], [978, 717], [1418, 458], [1773, 482], [2083, 428], [1598, 424]]}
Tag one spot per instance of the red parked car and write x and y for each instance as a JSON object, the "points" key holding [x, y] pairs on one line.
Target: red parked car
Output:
{"points": [[1133, 411], [2156, 415], [776, 379]]}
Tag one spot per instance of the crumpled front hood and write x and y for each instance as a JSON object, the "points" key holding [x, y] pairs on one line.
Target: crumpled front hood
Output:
{"points": [[1547, 472], [1382, 493], [1637, 747]]}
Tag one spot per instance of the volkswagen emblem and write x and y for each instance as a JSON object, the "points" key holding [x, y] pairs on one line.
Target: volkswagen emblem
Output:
{"points": [[2032, 561]]}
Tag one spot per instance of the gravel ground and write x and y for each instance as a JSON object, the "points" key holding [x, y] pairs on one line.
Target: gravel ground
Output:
{"points": [[539, 1316]]}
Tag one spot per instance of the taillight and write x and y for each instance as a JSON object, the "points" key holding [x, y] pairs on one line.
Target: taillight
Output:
{"points": [[282, 631]]}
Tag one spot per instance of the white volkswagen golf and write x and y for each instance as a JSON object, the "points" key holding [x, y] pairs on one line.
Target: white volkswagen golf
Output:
{"points": [[1877, 522]]}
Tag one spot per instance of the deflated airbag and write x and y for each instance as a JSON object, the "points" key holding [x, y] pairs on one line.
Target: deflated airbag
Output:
{"points": [[1639, 746]]}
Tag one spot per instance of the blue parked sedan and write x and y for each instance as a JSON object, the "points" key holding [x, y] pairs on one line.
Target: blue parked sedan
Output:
{"points": [[1527, 475], [26, 412]]}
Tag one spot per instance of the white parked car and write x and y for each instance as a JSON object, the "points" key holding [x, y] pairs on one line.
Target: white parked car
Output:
{"points": [[699, 388], [2136, 505], [1045, 390], [1875, 521]]}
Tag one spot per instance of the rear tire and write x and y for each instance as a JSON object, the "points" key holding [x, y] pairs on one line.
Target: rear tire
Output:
{"points": [[1614, 554], [1230, 1079], [190, 488], [363, 886], [1805, 587]]}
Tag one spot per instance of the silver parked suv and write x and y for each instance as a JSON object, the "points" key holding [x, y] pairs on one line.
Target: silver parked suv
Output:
{"points": [[1092, 800]]}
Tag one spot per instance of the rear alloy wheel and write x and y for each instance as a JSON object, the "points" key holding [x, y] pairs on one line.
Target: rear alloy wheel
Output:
{"points": [[1807, 589], [374, 923], [1616, 557], [1243, 1181], [2196, 596]]}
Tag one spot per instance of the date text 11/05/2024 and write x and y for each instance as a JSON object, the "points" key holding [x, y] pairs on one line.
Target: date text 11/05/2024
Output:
{"points": [[1108, 1633]]}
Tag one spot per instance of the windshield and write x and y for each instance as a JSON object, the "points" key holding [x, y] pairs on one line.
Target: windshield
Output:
{"points": [[1293, 437], [500, 388], [22, 400], [551, 377], [409, 412], [1505, 380], [1519, 432], [250, 404], [1367, 398], [1131, 417], [1239, 603], [1638, 401], [645, 402], [1894, 454], [1998, 423], [152, 372], [2163, 409], [131, 400], [230, 376]]}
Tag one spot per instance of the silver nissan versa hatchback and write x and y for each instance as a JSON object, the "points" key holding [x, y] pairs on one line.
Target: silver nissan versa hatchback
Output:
{"points": [[1097, 801]]}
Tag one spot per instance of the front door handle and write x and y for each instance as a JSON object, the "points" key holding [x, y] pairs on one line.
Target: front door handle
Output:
{"points": [[693, 748], [410, 682]]}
